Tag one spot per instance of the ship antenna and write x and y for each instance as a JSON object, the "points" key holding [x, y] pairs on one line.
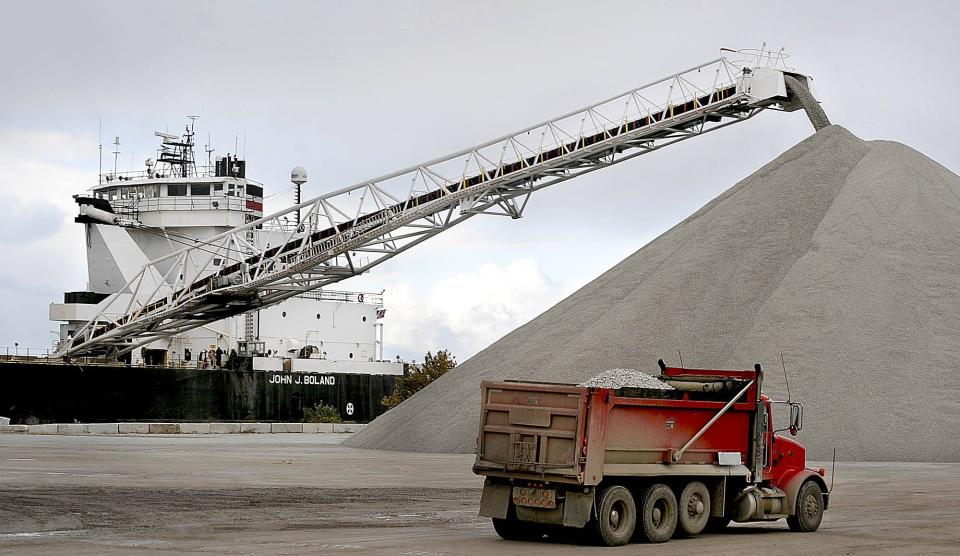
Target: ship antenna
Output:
{"points": [[209, 150], [193, 162], [116, 154], [100, 149]]}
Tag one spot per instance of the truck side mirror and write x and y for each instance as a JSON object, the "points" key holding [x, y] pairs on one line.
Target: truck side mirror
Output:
{"points": [[796, 418]]}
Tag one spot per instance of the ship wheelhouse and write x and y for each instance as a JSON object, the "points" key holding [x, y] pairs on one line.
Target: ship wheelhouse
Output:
{"points": [[153, 198]]}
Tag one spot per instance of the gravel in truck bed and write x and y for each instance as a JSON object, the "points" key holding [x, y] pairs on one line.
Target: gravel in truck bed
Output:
{"points": [[626, 378]]}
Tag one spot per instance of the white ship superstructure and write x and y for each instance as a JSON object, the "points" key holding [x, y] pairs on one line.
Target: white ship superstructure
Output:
{"points": [[131, 218]]}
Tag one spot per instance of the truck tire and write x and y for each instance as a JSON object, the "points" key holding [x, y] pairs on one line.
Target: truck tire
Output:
{"points": [[694, 510], [512, 529], [808, 512], [658, 514], [616, 516]]}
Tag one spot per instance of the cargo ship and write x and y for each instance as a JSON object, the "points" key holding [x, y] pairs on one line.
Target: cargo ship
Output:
{"points": [[268, 364]]}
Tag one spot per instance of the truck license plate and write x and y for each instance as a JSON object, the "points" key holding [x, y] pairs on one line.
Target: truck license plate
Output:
{"points": [[535, 497]]}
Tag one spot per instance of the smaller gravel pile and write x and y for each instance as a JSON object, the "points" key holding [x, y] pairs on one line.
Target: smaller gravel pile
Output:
{"points": [[626, 378]]}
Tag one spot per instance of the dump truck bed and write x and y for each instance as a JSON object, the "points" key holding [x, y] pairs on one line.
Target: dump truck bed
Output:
{"points": [[572, 434]]}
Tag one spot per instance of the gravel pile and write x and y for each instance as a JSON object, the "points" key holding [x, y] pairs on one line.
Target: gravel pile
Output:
{"points": [[626, 378], [841, 253]]}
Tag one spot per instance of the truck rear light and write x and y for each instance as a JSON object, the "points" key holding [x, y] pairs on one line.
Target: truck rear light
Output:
{"points": [[822, 472]]}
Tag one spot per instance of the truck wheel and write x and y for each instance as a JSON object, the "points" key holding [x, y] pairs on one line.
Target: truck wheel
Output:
{"points": [[512, 529], [694, 509], [809, 509], [658, 515], [616, 516]]}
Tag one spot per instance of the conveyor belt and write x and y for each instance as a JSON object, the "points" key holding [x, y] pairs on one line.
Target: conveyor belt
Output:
{"points": [[304, 260]]}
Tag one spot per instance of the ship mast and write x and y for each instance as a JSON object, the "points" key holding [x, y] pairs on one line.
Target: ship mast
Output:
{"points": [[178, 152]]}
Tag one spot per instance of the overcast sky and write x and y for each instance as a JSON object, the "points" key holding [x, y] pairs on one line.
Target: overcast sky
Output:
{"points": [[353, 90]]}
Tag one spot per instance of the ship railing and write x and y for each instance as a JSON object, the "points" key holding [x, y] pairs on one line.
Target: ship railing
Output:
{"points": [[343, 296], [280, 227], [46, 356], [131, 175], [10, 352], [129, 207], [22, 354], [202, 171]]}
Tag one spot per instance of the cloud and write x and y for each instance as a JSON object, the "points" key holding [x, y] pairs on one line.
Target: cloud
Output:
{"points": [[466, 311], [24, 224], [46, 166], [38, 174]]}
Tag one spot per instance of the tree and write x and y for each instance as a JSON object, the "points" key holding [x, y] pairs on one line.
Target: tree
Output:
{"points": [[321, 413], [433, 367]]}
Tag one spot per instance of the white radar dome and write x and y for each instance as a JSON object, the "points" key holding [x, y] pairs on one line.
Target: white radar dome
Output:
{"points": [[298, 175]]}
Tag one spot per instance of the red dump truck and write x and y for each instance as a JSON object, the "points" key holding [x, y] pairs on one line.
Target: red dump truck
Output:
{"points": [[645, 464]]}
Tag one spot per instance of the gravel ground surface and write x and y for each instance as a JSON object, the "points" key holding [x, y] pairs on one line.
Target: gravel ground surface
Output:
{"points": [[626, 378], [840, 253], [286, 494]]}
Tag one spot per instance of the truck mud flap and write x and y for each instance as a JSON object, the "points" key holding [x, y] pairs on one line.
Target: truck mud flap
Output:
{"points": [[577, 509], [495, 499], [719, 498]]}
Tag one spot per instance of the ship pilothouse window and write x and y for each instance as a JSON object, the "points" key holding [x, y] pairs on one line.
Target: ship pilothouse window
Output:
{"points": [[177, 190], [200, 189]]}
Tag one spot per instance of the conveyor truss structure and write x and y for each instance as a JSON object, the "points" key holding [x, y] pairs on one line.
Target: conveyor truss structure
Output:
{"points": [[351, 230]]}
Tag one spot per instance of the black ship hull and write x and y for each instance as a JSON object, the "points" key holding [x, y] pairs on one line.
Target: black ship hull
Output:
{"points": [[39, 392]]}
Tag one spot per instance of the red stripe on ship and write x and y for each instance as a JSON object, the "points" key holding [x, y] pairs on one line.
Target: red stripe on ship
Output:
{"points": [[255, 205]]}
